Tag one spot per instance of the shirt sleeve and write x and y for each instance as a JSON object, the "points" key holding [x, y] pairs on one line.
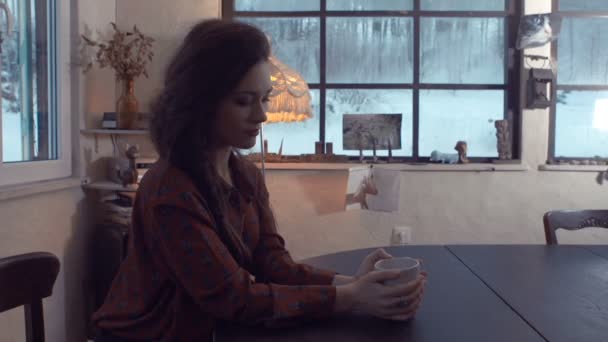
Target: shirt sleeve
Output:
{"points": [[204, 267], [272, 261]]}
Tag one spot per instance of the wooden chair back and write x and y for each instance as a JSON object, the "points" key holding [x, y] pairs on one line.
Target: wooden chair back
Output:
{"points": [[572, 220], [24, 281]]}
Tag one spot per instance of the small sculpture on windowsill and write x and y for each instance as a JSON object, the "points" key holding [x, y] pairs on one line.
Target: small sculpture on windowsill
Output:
{"points": [[602, 177], [443, 158], [503, 139], [461, 147], [128, 176]]}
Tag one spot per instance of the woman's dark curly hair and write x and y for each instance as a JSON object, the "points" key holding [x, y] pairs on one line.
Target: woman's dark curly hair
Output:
{"points": [[213, 58]]}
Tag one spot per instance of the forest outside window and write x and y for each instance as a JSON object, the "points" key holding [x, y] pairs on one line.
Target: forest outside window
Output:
{"points": [[28, 115], [34, 60], [447, 66]]}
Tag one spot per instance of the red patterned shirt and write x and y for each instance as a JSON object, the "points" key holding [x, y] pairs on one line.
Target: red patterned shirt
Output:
{"points": [[179, 279]]}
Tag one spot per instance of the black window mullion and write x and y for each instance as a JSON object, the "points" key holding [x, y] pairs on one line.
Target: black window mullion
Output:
{"points": [[576, 87], [582, 14], [444, 86], [513, 77], [322, 77], [463, 14], [553, 107], [228, 7], [416, 85], [268, 14]]}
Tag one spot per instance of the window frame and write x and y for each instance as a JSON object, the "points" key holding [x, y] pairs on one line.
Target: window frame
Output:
{"points": [[513, 58], [556, 87], [14, 173]]}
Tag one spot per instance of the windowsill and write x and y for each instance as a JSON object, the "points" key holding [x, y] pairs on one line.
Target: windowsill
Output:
{"points": [[573, 168], [401, 167], [28, 189]]}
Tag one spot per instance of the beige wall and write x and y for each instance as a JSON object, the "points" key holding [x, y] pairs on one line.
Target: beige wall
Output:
{"points": [[53, 223]]}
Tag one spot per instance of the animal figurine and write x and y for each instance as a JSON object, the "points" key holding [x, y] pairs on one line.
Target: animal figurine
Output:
{"points": [[444, 158], [366, 187], [129, 176], [461, 147]]}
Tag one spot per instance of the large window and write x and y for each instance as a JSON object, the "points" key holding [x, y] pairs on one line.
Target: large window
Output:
{"points": [[448, 67], [579, 120], [33, 131]]}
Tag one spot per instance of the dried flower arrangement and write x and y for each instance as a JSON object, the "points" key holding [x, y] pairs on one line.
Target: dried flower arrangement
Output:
{"points": [[127, 53]]}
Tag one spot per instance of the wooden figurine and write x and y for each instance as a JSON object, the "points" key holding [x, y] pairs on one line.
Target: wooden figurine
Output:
{"points": [[461, 147], [130, 175]]}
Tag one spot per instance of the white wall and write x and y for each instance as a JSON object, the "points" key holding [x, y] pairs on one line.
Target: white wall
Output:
{"points": [[48, 222]]}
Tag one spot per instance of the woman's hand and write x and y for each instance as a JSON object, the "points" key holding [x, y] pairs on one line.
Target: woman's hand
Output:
{"points": [[369, 296], [411, 302], [367, 265]]}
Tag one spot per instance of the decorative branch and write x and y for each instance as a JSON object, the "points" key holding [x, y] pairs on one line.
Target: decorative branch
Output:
{"points": [[127, 53]]}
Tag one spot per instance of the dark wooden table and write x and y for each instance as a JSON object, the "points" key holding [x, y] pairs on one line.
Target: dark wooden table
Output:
{"points": [[461, 305], [561, 291], [599, 250]]}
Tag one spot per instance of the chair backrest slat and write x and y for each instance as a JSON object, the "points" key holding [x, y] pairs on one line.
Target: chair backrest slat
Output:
{"points": [[572, 220]]}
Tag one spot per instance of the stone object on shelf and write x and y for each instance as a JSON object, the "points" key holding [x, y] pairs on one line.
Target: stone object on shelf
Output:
{"points": [[443, 158]]}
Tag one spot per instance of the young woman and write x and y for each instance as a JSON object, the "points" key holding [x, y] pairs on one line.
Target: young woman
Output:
{"points": [[203, 243]]}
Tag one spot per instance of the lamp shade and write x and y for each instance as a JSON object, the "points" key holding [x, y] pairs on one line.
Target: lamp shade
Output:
{"points": [[290, 97]]}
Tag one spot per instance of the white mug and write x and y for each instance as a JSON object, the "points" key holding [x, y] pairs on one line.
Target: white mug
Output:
{"points": [[409, 269]]}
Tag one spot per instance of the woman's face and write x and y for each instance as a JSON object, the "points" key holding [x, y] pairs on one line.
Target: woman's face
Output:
{"points": [[241, 113]]}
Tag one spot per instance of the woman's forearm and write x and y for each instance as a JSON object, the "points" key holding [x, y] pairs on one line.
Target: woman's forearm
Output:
{"points": [[342, 280], [344, 298], [344, 292]]}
